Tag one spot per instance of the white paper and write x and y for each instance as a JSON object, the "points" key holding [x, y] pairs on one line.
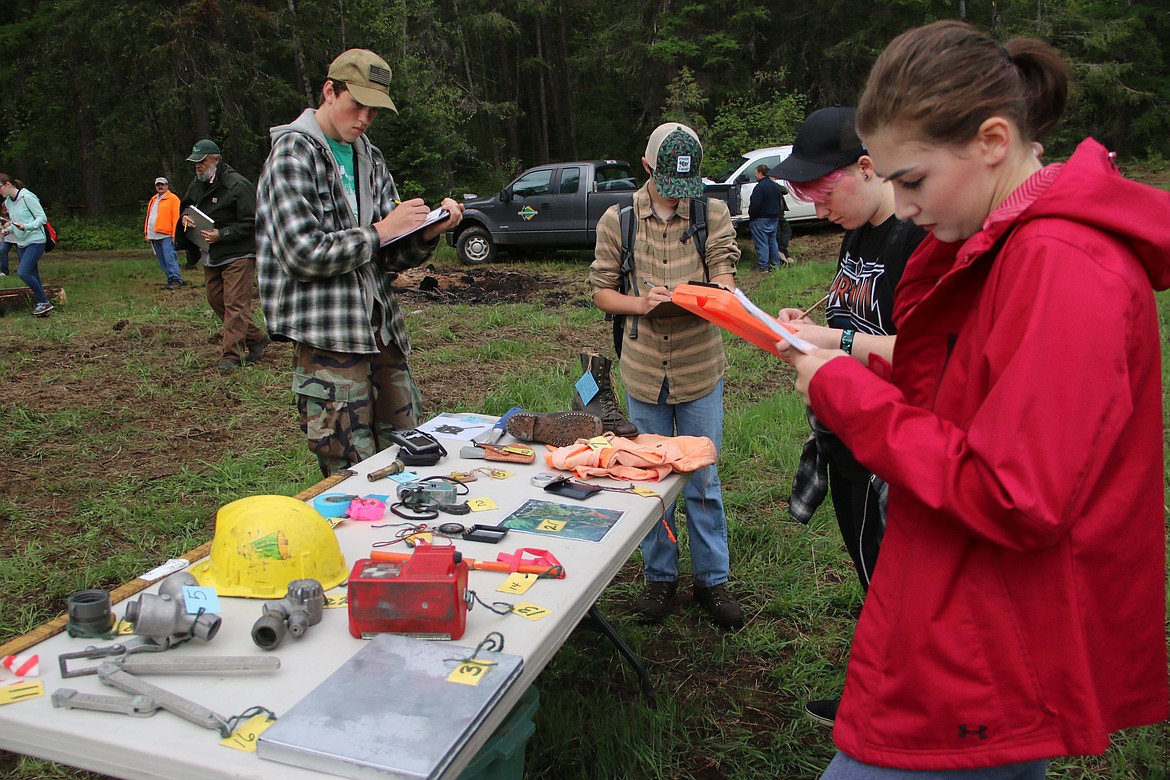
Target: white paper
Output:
{"points": [[461, 427], [436, 215], [170, 567], [774, 326]]}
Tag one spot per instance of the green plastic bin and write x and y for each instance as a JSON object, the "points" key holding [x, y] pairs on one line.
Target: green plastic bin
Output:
{"points": [[502, 756]]}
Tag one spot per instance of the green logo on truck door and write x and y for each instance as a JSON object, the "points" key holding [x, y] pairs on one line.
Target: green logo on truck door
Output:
{"points": [[527, 212]]}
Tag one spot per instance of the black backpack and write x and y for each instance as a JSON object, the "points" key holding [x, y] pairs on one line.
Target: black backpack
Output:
{"points": [[629, 231]]}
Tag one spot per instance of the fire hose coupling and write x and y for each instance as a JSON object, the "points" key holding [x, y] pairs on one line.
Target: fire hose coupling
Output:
{"points": [[302, 607], [164, 617], [90, 614]]}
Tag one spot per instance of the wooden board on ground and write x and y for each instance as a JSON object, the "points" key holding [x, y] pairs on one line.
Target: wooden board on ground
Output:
{"points": [[22, 297]]}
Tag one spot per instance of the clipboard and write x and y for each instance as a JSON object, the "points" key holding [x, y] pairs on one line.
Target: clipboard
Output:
{"points": [[734, 312], [202, 222], [666, 309], [434, 216]]}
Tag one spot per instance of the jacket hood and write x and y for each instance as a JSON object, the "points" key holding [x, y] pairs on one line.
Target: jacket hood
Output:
{"points": [[1090, 190], [306, 124]]}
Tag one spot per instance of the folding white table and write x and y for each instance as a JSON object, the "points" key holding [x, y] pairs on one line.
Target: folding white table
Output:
{"points": [[167, 747]]}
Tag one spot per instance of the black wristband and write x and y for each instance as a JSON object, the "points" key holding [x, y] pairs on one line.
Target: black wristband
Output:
{"points": [[847, 341]]}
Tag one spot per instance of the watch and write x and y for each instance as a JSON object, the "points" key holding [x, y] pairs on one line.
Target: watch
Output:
{"points": [[847, 341]]}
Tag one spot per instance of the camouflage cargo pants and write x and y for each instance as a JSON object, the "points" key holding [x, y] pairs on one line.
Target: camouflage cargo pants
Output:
{"points": [[349, 403]]}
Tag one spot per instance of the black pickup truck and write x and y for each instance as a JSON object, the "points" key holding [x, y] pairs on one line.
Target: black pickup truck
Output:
{"points": [[552, 206]]}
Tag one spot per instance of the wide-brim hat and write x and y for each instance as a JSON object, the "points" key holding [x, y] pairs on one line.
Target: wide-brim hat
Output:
{"points": [[825, 142]]}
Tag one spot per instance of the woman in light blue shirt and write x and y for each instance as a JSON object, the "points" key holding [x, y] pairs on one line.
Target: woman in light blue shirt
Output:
{"points": [[26, 228]]}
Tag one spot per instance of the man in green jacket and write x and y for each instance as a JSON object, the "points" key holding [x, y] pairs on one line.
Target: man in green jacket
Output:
{"points": [[229, 258]]}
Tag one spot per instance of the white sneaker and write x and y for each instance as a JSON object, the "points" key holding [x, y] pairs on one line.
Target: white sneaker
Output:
{"points": [[3, 274]]}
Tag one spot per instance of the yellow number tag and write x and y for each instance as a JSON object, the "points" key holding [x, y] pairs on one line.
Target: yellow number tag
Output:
{"points": [[19, 691], [464, 476], [531, 611], [551, 525], [518, 582], [336, 601], [599, 443], [516, 449], [244, 738], [469, 672], [644, 491], [123, 628], [480, 504], [501, 474], [423, 538]]}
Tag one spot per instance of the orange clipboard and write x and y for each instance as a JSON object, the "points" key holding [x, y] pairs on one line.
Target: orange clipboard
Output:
{"points": [[721, 307]]}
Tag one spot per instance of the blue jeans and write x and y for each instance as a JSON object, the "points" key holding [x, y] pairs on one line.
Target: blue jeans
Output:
{"points": [[703, 496], [28, 271], [764, 236], [4, 248], [843, 767], [164, 250]]}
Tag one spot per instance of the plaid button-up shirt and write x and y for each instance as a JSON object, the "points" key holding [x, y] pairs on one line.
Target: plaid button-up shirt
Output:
{"points": [[685, 350], [323, 278]]}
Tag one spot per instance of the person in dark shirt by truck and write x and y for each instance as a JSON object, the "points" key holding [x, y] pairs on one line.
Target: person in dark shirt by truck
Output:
{"points": [[766, 211]]}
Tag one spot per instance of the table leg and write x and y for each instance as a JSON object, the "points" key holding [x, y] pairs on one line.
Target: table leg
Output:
{"points": [[595, 621]]}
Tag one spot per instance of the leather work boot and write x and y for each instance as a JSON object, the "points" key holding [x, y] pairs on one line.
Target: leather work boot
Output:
{"points": [[721, 605], [559, 429], [605, 404], [654, 603]]}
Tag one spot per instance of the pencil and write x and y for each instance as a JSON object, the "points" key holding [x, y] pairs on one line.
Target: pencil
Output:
{"points": [[810, 308]]}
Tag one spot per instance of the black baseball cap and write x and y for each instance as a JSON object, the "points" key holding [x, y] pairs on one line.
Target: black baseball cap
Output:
{"points": [[825, 142]]}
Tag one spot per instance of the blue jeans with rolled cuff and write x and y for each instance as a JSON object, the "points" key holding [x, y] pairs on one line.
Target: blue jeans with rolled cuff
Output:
{"points": [[702, 496]]}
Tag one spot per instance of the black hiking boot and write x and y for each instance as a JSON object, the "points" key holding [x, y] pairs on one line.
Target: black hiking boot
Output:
{"points": [[721, 605], [605, 404], [654, 603]]}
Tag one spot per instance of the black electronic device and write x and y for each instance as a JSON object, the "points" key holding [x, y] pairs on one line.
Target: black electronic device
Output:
{"points": [[417, 448], [485, 533]]}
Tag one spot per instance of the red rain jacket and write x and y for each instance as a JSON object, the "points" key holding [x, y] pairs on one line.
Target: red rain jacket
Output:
{"points": [[1019, 608]]}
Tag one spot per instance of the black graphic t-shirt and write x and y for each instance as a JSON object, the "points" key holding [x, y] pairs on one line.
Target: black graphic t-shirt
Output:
{"points": [[869, 268]]}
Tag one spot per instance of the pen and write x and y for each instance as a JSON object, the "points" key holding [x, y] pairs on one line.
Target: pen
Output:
{"points": [[810, 308]]}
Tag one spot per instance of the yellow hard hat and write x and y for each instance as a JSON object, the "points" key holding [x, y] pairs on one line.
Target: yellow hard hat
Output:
{"points": [[262, 543]]}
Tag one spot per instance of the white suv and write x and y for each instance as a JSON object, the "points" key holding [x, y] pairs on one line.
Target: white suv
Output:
{"points": [[743, 172]]}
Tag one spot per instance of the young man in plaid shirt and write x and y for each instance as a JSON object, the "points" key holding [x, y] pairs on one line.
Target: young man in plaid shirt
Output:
{"points": [[327, 214]]}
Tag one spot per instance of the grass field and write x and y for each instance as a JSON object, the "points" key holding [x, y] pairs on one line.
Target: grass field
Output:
{"points": [[121, 441]]}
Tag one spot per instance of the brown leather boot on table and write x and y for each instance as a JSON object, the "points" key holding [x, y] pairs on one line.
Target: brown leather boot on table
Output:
{"points": [[605, 404], [559, 429]]}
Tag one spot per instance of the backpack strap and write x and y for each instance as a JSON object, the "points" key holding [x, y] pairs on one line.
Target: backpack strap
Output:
{"points": [[698, 231], [628, 229]]}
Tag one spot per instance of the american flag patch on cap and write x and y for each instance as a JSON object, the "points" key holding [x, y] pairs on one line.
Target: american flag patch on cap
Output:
{"points": [[380, 75]]}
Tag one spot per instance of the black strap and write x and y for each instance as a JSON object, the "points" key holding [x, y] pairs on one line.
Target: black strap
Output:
{"points": [[628, 229]]}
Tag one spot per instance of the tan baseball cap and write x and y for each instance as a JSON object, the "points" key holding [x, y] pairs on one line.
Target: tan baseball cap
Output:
{"points": [[366, 75]]}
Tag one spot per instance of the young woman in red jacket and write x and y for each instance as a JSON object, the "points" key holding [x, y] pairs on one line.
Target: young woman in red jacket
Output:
{"points": [[1017, 418]]}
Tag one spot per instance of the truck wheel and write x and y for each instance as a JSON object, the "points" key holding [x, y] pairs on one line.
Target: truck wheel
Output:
{"points": [[475, 246]]}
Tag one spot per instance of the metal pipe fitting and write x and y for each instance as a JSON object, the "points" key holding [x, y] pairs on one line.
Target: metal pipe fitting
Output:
{"points": [[303, 606], [164, 617]]}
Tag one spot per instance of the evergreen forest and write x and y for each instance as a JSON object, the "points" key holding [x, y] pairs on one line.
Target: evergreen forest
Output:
{"points": [[98, 99]]}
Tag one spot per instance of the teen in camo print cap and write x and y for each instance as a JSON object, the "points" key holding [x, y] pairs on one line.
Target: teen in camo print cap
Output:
{"points": [[674, 155]]}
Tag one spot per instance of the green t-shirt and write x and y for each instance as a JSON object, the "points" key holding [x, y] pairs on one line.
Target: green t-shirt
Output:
{"points": [[343, 153]]}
